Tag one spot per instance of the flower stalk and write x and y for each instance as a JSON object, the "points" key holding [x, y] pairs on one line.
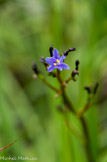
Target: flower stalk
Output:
{"points": [[55, 61]]}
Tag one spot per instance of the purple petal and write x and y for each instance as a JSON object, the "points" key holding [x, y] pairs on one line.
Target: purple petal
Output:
{"points": [[56, 54], [62, 58], [50, 60], [59, 67], [50, 68], [64, 66]]}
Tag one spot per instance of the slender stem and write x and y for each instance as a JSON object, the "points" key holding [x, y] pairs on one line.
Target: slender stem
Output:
{"points": [[50, 86], [59, 77], [87, 106], [42, 78], [70, 107], [1, 149], [86, 134], [82, 119], [74, 131], [66, 101], [68, 80]]}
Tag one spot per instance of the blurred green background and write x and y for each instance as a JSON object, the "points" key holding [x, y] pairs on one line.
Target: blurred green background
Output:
{"points": [[27, 107]]}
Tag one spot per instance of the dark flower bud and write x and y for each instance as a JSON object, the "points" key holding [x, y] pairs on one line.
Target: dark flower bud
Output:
{"points": [[88, 89], [35, 68], [76, 63], [51, 51], [72, 49], [42, 60], [74, 73], [67, 52], [96, 88]]}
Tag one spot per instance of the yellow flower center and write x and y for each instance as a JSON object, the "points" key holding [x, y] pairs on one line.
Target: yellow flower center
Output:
{"points": [[57, 62]]}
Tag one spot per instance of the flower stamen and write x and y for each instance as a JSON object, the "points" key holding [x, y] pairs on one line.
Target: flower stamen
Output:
{"points": [[58, 61], [55, 64]]}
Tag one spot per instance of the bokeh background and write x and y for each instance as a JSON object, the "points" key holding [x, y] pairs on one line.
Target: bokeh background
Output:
{"points": [[28, 109]]}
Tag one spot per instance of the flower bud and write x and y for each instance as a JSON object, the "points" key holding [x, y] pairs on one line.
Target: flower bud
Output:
{"points": [[72, 49], [51, 51], [88, 89], [74, 73], [42, 60], [96, 88], [67, 52], [77, 63], [35, 68]]}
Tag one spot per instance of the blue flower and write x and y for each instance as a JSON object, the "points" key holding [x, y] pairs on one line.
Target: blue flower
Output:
{"points": [[56, 62]]}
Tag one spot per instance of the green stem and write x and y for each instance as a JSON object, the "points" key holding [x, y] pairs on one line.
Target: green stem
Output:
{"points": [[41, 77], [69, 105], [74, 131], [66, 101], [50, 86], [86, 134], [87, 106], [68, 80]]}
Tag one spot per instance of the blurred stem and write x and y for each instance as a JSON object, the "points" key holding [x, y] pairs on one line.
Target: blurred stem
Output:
{"points": [[69, 105], [87, 106], [59, 77], [74, 131], [50, 86], [68, 80], [41, 77], [66, 101], [1, 149], [86, 134]]}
